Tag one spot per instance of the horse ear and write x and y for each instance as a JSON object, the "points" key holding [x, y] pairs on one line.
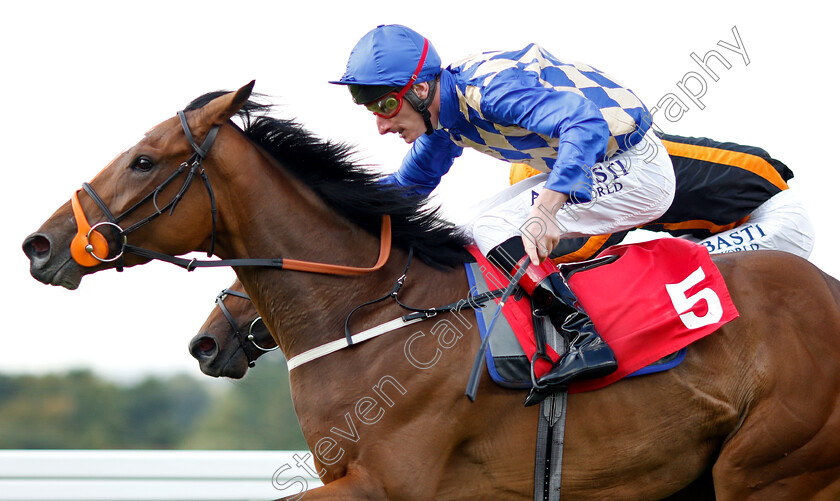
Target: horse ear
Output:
{"points": [[219, 110]]}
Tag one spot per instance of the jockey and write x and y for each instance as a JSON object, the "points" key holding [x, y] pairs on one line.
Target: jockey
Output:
{"points": [[729, 198], [570, 120]]}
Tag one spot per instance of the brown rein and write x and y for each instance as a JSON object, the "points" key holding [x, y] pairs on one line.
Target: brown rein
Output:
{"points": [[337, 269]]}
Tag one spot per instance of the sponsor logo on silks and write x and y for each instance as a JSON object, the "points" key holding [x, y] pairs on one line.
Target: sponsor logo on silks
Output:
{"points": [[735, 241], [605, 177]]}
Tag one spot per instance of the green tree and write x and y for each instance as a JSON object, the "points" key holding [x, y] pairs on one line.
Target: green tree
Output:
{"points": [[75, 410], [158, 412], [79, 410], [254, 413]]}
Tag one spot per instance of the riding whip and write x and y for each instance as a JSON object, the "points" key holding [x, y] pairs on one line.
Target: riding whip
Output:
{"points": [[472, 385]]}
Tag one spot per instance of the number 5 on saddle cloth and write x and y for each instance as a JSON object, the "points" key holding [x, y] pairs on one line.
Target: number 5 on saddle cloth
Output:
{"points": [[648, 302]]}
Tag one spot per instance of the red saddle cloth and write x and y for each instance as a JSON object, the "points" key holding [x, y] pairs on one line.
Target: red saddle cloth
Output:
{"points": [[655, 299]]}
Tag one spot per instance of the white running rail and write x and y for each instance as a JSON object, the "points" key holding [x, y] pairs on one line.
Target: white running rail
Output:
{"points": [[145, 475]]}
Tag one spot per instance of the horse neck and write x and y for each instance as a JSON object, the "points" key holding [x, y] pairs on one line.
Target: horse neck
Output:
{"points": [[273, 214]]}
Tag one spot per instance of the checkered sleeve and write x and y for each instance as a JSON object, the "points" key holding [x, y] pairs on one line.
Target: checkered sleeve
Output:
{"points": [[573, 119]]}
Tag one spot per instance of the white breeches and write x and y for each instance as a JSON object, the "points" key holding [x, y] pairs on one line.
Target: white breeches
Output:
{"points": [[780, 223], [630, 189]]}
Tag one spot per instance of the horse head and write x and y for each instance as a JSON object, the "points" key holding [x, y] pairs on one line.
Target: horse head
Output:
{"points": [[145, 181], [232, 337]]}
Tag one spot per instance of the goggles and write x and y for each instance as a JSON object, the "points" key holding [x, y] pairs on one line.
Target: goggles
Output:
{"points": [[388, 105]]}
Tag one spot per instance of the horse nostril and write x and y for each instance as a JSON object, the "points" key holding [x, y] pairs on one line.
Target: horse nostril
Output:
{"points": [[204, 347], [36, 246]]}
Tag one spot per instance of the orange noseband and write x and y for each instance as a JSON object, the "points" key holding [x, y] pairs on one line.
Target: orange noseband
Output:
{"points": [[88, 243]]}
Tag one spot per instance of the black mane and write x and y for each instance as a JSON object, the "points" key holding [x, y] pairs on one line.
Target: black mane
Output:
{"points": [[354, 192]]}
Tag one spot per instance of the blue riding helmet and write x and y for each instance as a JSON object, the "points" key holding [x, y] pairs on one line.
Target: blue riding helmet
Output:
{"points": [[388, 56]]}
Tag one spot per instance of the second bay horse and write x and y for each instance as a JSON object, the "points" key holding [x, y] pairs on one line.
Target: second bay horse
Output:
{"points": [[233, 337]]}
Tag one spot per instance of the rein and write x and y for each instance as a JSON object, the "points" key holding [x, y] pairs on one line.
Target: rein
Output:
{"points": [[90, 248]]}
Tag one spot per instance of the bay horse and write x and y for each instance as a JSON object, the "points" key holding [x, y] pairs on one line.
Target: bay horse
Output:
{"points": [[752, 413], [233, 337]]}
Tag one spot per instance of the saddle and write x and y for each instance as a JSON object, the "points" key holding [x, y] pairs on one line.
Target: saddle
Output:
{"points": [[507, 362], [627, 292]]}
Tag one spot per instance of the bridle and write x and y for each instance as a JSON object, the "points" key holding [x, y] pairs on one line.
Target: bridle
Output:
{"points": [[237, 333], [89, 240], [90, 248]]}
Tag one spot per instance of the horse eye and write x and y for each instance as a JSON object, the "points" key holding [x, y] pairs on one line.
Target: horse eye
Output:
{"points": [[143, 164]]}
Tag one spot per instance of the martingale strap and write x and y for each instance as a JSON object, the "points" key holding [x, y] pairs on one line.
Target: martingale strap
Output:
{"points": [[472, 302], [418, 314], [340, 344]]}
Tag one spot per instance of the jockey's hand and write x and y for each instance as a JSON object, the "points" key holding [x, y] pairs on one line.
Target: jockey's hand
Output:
{"points": [[541, 232]]}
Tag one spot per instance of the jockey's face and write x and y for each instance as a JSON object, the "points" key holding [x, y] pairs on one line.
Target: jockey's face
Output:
{"points": [[408, 123]]}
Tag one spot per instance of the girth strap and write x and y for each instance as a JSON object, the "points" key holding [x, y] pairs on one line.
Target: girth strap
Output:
{"points": [[551, 432]]}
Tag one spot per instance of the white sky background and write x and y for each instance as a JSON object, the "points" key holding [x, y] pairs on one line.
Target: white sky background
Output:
{"points": [[83, 80]]}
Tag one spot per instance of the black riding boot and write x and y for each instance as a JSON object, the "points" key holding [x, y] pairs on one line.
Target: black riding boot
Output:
{"points": [[588, 356]]}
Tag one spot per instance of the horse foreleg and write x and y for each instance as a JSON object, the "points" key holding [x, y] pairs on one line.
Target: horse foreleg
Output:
{"points": [[356, 485]]}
